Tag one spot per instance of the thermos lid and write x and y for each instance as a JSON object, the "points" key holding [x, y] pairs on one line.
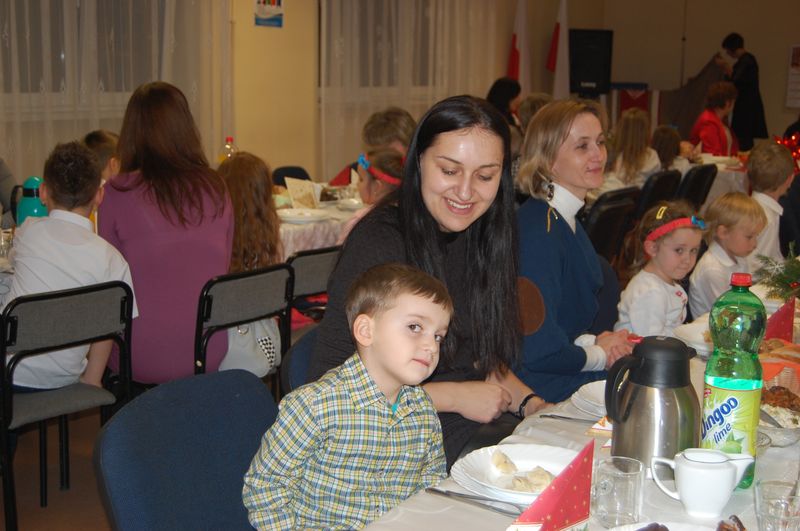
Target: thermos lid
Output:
{"points": [[32, 182], [664, 362]]}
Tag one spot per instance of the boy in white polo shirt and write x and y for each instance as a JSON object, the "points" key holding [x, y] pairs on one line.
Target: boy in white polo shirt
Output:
{"points": [[62, 251]]}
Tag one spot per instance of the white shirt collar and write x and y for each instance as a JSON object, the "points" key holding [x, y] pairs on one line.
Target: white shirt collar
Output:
{"points": [[767, 202], [71, 217], [721, 254], [566, 203]]}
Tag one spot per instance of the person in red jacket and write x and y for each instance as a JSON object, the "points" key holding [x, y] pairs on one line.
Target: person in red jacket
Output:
{"points": [[711, 128]]}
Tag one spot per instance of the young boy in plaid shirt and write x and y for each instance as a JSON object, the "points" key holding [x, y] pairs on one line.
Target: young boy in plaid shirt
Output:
{"points": [[365, 437]]}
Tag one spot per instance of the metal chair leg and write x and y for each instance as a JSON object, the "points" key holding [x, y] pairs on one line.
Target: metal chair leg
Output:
{"points": [[43, 463], [63, 451], [9, 491]]}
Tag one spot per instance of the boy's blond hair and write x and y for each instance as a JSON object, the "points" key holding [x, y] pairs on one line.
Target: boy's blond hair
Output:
{"points": [[377, 289], [392, 124], [730, 209], [769, 165]]}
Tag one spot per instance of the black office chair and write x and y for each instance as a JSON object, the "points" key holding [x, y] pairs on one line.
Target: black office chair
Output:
{"points": [[696, 184], [174, 457], [41, 323], [239, 298], [294, 369], [660, 186], [609, 220], [312, 268], [279, 175]]}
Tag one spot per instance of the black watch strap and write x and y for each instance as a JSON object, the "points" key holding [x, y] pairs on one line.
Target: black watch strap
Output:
{"points": [[521, 410]]}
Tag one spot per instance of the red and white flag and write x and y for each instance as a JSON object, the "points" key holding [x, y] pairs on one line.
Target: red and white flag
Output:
{"points": [[558, 57], [519, 58]]}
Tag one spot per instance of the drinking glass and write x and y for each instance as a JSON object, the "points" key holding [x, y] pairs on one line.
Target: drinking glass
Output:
{"points": [[617, 491], [777, 506]]}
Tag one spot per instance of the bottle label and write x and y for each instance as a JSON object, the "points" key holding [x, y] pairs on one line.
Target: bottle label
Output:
{"points": [[730, 419]]}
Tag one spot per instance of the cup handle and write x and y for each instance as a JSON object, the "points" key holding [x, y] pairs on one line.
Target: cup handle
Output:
{"points": [[670, 463]]}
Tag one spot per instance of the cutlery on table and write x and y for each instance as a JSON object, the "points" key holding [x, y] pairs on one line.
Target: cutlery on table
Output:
{"points": [[478, 501], [769, 419], [564, 417]]}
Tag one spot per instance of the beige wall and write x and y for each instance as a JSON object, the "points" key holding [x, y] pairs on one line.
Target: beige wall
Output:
{"points": [[275, 85], [647, 42], [275, 70]]}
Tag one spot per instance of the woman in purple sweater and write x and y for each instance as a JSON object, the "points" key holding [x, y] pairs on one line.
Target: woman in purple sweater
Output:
{"points": [[169, 215]]}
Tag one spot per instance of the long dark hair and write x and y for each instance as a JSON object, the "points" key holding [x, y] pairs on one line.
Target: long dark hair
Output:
{"points": [[501, 93], [491, 245], [160, 140]]}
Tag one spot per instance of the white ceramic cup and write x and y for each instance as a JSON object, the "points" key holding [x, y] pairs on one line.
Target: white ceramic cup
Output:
{"points": [[617, 491]]}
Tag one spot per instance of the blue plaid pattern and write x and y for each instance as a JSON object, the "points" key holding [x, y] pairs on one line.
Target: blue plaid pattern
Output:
{"points": [[337, 457]]}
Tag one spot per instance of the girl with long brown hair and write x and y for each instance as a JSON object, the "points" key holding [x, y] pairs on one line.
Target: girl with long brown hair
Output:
{"points": [[256, 237]]}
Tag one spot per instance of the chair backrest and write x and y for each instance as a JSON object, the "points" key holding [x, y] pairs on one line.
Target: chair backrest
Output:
{"points": [[312, 269], [43, 322], [696, 184], [608, 221], [294, 369], [660, 186], [175, 457], [237, 298], [279, 175]]}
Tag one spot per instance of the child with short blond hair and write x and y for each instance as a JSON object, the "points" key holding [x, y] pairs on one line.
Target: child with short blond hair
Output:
{"points": [[734, 221], [770, 169], [365, 436]]}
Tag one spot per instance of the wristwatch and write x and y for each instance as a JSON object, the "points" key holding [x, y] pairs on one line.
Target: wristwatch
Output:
{"points": [[521, 410]]}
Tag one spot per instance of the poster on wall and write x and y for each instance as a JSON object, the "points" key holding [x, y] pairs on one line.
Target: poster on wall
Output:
{"points": [[269, 13], [793, 83]]}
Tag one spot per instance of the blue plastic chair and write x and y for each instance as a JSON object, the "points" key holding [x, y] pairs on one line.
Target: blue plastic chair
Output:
{"points": [[175, 457]]}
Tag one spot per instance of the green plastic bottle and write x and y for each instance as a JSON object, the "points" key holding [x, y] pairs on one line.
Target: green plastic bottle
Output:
{"points": [[732, 393]]}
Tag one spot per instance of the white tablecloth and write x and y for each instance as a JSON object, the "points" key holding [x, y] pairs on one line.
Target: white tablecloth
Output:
{"points": [[301, 237], [428, 511]]}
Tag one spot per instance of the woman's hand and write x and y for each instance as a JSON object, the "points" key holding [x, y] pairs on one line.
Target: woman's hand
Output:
{"points": [[479, 401], [518, 390], [615, 345]]}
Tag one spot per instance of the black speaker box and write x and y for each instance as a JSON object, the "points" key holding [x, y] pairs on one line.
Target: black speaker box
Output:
{"points": [[590, 61]]}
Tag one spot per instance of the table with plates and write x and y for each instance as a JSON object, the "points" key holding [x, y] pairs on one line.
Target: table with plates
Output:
{"points": [[428, 511], [304, 229], [730, 178]]}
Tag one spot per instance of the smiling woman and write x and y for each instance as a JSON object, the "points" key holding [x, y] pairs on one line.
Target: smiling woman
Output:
{"points": [[452, 217], [563, 158]]}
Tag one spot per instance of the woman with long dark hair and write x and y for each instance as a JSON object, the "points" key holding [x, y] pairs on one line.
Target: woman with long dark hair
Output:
{"points": [[452, 217], [169, 215]]}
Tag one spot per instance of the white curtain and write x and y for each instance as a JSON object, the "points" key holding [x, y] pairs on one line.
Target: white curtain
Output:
{"points": [[68, 67], [407, 53]]}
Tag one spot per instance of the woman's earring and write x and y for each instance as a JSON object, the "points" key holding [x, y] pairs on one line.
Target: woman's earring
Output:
{"points": [[551, 190]]}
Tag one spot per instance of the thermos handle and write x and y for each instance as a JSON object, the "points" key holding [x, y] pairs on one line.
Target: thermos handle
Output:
{"points": [[615, 377], [670, 463]]}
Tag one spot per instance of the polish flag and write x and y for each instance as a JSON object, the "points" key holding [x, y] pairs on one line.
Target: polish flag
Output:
{"points": [[558, 57], [519, 57]]}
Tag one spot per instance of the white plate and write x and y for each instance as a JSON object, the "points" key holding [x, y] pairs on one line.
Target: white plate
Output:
{"points": [[350, 204], [692, 335], [302, 215], [591, 398], [476, 473], [672, 526]]}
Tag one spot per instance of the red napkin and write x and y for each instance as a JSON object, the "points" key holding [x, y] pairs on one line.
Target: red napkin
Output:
{"points": [[781, 323], [565, 503]]}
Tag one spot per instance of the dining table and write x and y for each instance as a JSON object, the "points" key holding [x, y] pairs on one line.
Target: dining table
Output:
{"points": [[730, 178], [428, 511], [303, 235]]}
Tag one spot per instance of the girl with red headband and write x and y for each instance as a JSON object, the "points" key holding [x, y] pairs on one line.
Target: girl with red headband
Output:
{"points": [[380, 172], [654, 302]]}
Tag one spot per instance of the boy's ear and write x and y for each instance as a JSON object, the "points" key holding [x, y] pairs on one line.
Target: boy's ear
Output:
{"points": [[362, 329], [650, 248], [98, 196], [44, 196], [721, 231], [113, 166]]}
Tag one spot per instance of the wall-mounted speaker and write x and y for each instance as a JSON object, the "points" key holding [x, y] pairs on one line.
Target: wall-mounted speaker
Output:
{"points": [[590, 61]]}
